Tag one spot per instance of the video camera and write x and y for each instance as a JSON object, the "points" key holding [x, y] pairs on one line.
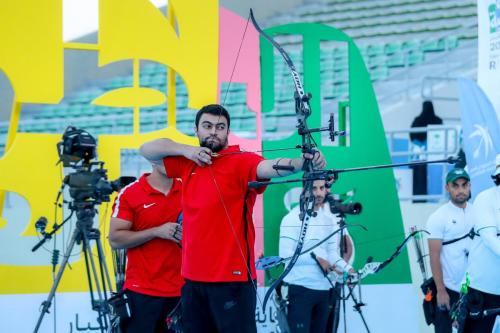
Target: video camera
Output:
{"points": [[89, 182]]}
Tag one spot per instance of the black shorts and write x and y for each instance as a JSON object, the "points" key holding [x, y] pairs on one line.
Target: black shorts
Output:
{"points": [[218, 307], [148, 313]]}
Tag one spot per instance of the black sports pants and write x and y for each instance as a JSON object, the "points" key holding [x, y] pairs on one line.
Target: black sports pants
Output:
{"points": [[334, 302], [148, 313], [308, 309], [442, 322], [484, 324], [218, 307]]}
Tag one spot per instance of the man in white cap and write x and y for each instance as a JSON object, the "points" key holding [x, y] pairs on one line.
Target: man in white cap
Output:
{"points": [[484, 259], [449, 244]]}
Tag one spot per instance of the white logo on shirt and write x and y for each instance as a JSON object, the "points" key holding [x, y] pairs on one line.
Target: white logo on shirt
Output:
{"points": [[149, 205]]}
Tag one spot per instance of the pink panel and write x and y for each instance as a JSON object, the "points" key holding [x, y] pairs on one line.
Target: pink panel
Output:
{"points": [[247, 71]]}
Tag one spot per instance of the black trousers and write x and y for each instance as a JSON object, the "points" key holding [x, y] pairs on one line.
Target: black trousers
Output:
{"points": [[219, 307], [419, 180], [442, 322], [334, 303], [308, 309], [148, 313], [484, 324]]}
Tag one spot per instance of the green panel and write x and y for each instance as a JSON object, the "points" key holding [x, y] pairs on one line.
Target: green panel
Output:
{"points": [[376, 189]]}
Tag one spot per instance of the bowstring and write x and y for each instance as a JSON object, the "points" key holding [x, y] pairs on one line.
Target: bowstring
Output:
{"points": [[240, 248], [235, 62]]}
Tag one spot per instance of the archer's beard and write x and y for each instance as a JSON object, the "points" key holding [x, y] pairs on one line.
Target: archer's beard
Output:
{"points": [[318, 202], [459, 200], [215, 144]]}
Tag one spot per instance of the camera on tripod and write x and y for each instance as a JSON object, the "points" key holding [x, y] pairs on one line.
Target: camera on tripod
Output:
{"points": [[89, 182], [88, 187]]}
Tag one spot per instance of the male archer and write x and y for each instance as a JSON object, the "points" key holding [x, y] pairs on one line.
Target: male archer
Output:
{"points": [[448, 248], [218, 261], [309, 293]]}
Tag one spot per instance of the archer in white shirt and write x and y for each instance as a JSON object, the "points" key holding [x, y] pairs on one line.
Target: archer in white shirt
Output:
{"points": [[309, 289], [448, 262]]}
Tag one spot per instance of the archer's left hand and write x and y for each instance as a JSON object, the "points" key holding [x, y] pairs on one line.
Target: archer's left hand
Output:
{"points": [[318, 159], [325, 265]]}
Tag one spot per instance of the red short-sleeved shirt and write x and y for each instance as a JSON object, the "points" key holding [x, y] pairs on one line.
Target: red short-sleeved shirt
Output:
{"points": [[212, 250], [153, 268]]}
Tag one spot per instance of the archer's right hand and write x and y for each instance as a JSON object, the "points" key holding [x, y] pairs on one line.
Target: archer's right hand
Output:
{"points": [[170, 230], [443, 300], [318, 159], [200, 155]]}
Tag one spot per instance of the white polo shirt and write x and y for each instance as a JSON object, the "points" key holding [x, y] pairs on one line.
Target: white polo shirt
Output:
{"points": [[449, 222], [306, 271], [484, 257]]}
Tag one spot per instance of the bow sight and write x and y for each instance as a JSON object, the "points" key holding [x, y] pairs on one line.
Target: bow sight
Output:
{"points": [[332, 133]]}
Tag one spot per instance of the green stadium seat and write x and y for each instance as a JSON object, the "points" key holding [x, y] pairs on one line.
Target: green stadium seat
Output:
{"points": [[375, 61], [379, 73], [375, 50], [433, 46], [340, 53], [396, 60], [270, 124], [411, 45], [391, 48], [416, 57], [451, 42], [340, 90]]}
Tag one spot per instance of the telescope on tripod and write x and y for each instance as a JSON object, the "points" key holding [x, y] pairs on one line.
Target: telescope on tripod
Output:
{"points": [[88, 187]]}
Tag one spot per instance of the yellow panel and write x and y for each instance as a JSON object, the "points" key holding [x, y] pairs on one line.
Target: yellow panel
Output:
{"points": [[135, 29], [130, 97], [37, 178], [31, 49], [31, 56]]}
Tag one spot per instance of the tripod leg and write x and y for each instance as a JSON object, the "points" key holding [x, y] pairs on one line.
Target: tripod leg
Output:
{"points": [[102, 264], [357, 307], [101, 307], [343, 309], [113, 320], [336, 313], [46, 304]]}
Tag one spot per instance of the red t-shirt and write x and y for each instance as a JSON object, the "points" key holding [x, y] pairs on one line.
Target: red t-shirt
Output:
{"points": [[215, 248], [153, 268]]}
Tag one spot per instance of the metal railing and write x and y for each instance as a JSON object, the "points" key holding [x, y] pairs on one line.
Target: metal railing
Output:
{"points": [[442, 141]]}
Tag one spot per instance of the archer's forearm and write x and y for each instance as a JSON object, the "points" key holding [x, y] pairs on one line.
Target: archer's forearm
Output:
{"points": [[490, 239], [265, 169], [156, 150], [125, 239], [437, 270]]}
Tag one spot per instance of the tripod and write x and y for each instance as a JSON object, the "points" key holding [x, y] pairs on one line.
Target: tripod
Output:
{"points": [[341, 297], [97, 273]]}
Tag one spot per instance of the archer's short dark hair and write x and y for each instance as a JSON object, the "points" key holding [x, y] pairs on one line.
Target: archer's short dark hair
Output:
{"points": [[213, 109]]}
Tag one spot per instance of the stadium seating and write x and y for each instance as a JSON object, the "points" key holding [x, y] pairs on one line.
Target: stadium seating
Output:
{"points": [[392, 35]]}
